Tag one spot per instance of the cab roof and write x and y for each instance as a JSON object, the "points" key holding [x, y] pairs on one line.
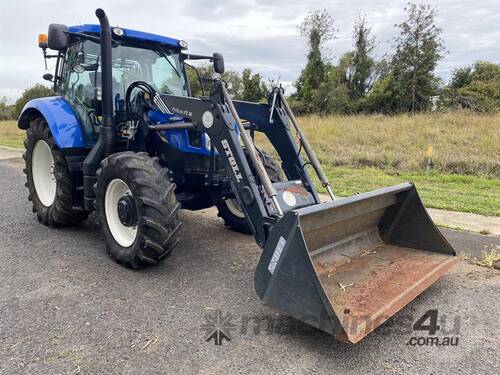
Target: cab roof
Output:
{"points": [[128, 34]]}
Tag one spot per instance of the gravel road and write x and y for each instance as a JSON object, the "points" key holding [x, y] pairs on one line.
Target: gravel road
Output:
{"points": [[67, 308]]}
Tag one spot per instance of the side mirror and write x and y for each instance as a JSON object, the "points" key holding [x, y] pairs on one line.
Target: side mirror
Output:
{"points": [[58, 38], [48, 77], [218, 63]]}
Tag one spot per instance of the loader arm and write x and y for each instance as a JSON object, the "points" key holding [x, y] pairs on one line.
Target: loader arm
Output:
{"points": [[281, 137], [213, 117]]}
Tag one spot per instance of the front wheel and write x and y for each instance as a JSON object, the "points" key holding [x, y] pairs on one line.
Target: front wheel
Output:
{"points": [[137, 209], [230, 210]]}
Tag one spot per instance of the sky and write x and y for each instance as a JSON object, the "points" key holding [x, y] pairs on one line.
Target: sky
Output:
{"points": [[258, 34]]}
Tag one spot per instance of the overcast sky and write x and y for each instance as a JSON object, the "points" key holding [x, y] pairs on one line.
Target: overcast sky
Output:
{"points": [[258, 34]]}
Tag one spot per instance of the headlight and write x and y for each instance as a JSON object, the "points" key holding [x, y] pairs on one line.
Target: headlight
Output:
{"points": [[117, 31], [183, 44]]}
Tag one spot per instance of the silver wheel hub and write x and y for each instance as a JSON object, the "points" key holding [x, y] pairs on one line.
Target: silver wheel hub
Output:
{"points": [[42, 169], [123, 232], [234, 207]]}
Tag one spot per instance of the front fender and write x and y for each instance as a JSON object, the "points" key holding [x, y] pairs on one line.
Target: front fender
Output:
{"points": [[60, 117]]}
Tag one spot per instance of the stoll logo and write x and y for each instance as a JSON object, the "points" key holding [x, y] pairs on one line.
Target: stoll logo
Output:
{"points": [[232, 160]]}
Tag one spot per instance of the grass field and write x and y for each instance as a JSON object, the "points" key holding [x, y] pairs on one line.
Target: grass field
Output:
{"points": [[457, 142], [361, 153], [11, 135]]}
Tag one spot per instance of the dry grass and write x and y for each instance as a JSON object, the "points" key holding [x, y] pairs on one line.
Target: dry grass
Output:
{"points": [[489, 259], [457, 142], [11, 135], [461, 143]]}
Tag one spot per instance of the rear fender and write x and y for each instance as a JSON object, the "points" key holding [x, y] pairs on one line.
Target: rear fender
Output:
{"points": [[60, 118]]}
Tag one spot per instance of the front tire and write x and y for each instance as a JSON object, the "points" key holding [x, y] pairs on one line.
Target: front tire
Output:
{"points": [[137, 209], [48, 179], [230, 210]]}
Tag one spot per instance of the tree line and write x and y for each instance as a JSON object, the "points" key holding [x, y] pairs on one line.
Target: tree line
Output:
{"points": [[404, 81], [399, 82]]}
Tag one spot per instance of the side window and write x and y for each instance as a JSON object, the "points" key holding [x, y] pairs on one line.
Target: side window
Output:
{"points": [[80, 73], [167, 76]]}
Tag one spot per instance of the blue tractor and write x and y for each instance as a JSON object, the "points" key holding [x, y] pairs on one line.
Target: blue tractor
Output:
{"points": [[125, 137]]}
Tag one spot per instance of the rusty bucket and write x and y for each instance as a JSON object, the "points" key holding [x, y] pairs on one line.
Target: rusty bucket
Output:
{"points": [[347, 266]]}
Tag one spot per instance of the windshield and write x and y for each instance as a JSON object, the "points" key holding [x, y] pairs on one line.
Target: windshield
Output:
{"points": [[159, 67]]}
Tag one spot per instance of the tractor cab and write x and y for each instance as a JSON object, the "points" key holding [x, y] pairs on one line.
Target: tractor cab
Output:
{"points": [[136, 57]]}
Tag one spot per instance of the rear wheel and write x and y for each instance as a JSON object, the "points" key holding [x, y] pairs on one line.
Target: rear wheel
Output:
{"points": [[48, 179], [137, 209], [230, 210]]}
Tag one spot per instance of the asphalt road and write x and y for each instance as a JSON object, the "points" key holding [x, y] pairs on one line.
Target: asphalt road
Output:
{"points": [[67, 308]]}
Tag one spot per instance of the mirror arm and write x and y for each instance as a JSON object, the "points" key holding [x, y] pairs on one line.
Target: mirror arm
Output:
{"points": [[187, 56], [49, 56], [45, 56]]}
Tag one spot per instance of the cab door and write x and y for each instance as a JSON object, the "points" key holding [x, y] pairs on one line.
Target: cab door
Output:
{"points": [[80, 85]]}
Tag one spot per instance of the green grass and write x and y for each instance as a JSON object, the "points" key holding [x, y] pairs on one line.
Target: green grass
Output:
{"points": [[11, 135], [473, 194]]}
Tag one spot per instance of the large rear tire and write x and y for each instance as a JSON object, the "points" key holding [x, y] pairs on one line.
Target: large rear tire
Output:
{"points": [[230, 210], [48, 179], [137, 209]]}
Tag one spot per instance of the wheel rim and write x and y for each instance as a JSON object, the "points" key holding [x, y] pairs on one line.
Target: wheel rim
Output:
{"points": [[123, 235], [234, 207], [42, 166]]}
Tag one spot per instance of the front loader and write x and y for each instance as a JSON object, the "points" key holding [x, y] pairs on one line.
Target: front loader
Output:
{"points": [[126, 137]]}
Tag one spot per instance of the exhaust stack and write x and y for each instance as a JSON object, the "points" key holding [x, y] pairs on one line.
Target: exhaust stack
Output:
{"points": [[105, 142]]}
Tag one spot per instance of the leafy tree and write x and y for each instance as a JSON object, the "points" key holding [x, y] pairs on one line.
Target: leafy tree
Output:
{"points": [[207, 72], [383, 96], [476, 88], [253, 88], [36, 91], [6, 111], [362, 64], [485, 71], [318, 28], [461, 77], [419, 48], [332, 96]]}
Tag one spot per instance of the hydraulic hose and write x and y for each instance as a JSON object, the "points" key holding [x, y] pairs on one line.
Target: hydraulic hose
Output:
{"points": [[307, 148]]}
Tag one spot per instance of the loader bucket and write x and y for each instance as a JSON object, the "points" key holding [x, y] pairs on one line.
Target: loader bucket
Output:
{"points": [[347, 266]]}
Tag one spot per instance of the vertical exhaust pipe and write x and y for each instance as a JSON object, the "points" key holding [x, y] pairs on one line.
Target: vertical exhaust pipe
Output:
{"points": [[107, 83], [106, 139]]}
